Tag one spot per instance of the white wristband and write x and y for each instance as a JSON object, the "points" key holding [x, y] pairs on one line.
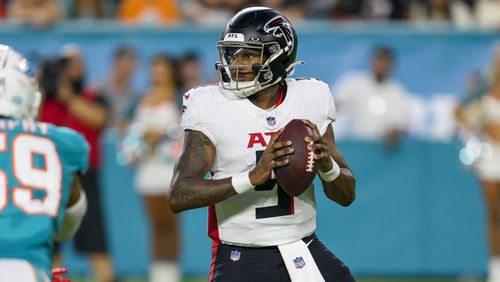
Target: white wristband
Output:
{"points": [[332, 174], [241, 182], [72, 219]]}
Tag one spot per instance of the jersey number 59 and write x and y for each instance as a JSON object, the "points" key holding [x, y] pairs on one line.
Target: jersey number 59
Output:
{"points": [[47, 179]]}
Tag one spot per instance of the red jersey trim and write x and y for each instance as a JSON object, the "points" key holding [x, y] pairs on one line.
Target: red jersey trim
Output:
{"points": [[281, 97], [215, 246]]}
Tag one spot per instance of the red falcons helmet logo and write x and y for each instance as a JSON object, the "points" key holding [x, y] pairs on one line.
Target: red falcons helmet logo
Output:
{"points": [[280, 27]]}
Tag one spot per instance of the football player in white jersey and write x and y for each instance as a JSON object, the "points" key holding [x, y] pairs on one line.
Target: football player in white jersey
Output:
{"points": [[259, 232]]}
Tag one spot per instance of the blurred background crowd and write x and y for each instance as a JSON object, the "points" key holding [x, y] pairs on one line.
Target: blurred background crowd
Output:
{"points": [[408, 94], [462, 13]]}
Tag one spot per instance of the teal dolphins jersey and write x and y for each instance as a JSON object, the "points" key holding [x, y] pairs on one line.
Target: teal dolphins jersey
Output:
{"points": [[37, 163]]}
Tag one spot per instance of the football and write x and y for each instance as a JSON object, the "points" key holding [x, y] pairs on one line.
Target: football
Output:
{"points": [[298, 174]]}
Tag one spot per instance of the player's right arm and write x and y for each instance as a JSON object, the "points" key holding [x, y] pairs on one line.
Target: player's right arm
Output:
{"points": [[75, 210], [189, 188], [74, 151]]}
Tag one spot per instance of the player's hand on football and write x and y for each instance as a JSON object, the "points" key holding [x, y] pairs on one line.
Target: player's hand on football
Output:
{"points": [[268, 161], [319, 147]]}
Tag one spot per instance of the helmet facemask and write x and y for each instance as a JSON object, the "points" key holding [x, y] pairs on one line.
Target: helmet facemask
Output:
{"points": [[239, 60]]}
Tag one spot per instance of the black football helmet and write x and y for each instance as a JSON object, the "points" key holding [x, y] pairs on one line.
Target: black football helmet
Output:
{"points": [[263, 30]]}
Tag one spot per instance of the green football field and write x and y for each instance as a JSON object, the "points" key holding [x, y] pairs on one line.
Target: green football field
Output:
{"points": [[359, 280]]}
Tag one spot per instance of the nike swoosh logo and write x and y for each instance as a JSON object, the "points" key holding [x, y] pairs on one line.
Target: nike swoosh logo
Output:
{"points": [[307, 244]]}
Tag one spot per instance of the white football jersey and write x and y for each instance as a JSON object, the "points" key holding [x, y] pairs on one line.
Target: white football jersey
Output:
{"points": [[240, 132]]}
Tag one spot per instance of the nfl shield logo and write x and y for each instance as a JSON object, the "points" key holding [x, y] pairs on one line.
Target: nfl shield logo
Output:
{"points": [[271, 121], [235, 255], [299, 262]]}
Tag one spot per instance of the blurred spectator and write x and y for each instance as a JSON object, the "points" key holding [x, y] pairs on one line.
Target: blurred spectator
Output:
{"points": [[386, 9], [3, 9], [347, 9], [372, 106], [319, 9], [487, 158], [211, 12], [38, 13], [439, 122], [149, 12], [468, 112], [236, 5], [204, 13], [88, 9], [292, 9], [487, 13], [157, 130], [189, 73], [370, 10], [117, 87], [68, 103], [441, 11]]}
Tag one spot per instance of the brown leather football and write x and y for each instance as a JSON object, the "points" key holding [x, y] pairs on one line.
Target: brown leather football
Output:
{"points": [[298, 174]]}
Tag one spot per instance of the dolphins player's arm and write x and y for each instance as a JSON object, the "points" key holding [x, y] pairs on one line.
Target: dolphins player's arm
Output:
{"points": [[189, 188], [75, 210]]}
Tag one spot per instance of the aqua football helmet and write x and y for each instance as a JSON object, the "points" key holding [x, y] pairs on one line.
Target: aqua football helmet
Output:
{"points": [[19, 93]]}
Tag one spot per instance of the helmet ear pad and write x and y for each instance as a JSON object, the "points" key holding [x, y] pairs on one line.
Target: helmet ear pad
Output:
{"points": [[278, 66]]}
